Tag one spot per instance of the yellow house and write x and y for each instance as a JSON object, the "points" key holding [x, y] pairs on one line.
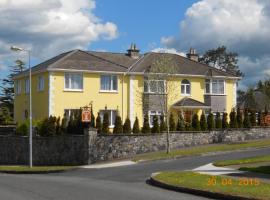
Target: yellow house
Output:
{"points": [[117, 83]]}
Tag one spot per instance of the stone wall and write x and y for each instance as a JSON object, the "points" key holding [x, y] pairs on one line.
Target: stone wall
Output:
{"points": [[89, 148]]}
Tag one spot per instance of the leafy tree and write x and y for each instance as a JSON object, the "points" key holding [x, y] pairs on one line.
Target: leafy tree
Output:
{"points": [[127, 126], [172, 123], [146, 127], [118, 127], [222, 59], [210, 122], [180, 123], [136, 127], [203, 122], [246, 121], [233, 120], [218, 121], [239, 118], [195, 122], [7, 89], [253, 118], [5, 115], [163, 125], [106, 122], [98, 124], [225, 124], [155, 128]]}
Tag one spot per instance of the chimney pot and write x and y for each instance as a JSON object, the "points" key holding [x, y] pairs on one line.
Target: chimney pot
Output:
{"points": [[133, 52], [192, 55]]}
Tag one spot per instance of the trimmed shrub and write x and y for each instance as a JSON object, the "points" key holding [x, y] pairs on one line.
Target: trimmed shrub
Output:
{"points": [[246, 122], [48, 127], [218, 122], [195, 122], [146, 127], [58, 127], [105, 125], [98, 124], [203, 123], [136, 127], [64, 124], [127, 126], [239, 118], [180, 123], [155, 128], [233, 121], [163, 124], [210, 122], [225, 123], [253, 118], [118, 127], [22, 129], [172, 126]]}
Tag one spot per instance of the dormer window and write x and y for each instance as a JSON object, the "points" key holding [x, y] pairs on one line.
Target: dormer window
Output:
{"points": [[185, 87], [215, 86]]}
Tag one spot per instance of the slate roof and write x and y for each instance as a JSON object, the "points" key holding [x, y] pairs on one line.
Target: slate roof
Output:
{"points": [[189, 102], [121, 62]]}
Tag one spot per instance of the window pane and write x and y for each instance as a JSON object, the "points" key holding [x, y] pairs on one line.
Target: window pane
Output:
{"points": [[67, 81], [207, 86], [105, 82], [26, 89], [214, 87], [153, 86], [221, 87], [183, 89], [161, 88], [114, 82], [187, 89], [113, 116], [146, 86]]}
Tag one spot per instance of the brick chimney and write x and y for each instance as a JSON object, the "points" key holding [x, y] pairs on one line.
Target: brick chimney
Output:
{"points": [[133, 52], [192, 55]]}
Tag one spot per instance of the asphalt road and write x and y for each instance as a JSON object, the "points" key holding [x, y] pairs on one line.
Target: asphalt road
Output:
{"points": [[119, 183]]}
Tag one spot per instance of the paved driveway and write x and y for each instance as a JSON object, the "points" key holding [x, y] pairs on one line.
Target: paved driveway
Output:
{"points": [[120, 183]]}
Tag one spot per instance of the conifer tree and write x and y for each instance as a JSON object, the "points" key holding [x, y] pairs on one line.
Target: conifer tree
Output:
{"points": [[118, 127], [136, 127], [233, 120], [92, 122], [163, 125], [239, 118], [105, 124], [218, 121], [253, 118], [172, 123], [195, 122], [210, 122], [225, 124], [98, 124], [180, 123], [155, 128], [127, 126], [146, 127], [246, 122], [203, 122]]}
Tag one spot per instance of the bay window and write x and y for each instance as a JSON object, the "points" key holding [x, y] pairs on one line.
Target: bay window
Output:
{"points": [[215, 86], [154, 86], [73, 81]]}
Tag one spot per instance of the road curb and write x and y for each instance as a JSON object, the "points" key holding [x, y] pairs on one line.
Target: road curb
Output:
{"points": [[197, 192], [36, 172]]}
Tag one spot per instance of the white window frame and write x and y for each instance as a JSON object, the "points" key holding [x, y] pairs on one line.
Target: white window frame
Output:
{"points": [[147, 88], [69, 75], [184, 93], [154, 113], [26, 86], [111, 83], [111, 125], [211, 86], [41, 83], [18, 87]]}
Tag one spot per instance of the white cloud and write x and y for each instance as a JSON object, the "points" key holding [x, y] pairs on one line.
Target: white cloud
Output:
{"points": [[49, 27], [167, 50], [243, 26]]}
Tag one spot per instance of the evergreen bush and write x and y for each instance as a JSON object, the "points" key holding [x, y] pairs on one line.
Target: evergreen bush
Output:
{"points": [[136, 127], [218, 121], [246, 122], [127, 126], [233, 120], [146, 127], [195, 122], [98, 124], [155, 128], [22, 129], [172, 126], [118, 127], [253, 118], [105, 125], [92, 122], [58, 127], [163, 124], [203, 122], [64, 124], [225, 123], [180, 123], [210, 122], [239, 118]]}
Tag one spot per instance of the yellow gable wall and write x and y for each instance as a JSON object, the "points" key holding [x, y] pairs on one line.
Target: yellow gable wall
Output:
{"points": [[39, 99], [91, 93]]}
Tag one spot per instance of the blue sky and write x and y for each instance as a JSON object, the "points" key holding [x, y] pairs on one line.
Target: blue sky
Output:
{"points": [[49, 27]]}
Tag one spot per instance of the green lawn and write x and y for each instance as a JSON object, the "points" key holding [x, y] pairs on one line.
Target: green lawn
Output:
{"points": [[5, 168], [260, 169], [201, 182], [256, 159], [200, 150]]}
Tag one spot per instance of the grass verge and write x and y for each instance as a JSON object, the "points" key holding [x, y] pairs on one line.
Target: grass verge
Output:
{"points": [[41, 169], [201, 150], [196, 181], [260, 169], [256, 159]]}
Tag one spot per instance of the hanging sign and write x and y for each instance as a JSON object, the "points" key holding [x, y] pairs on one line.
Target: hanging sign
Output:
{"points": [[86, 114]]}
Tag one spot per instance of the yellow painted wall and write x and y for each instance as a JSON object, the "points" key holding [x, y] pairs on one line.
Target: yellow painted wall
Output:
{"points": [[229, 93], [39, 99]]}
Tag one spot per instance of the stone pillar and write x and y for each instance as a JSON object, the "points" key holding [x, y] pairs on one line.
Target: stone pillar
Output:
{"points": [[90, 149]]}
